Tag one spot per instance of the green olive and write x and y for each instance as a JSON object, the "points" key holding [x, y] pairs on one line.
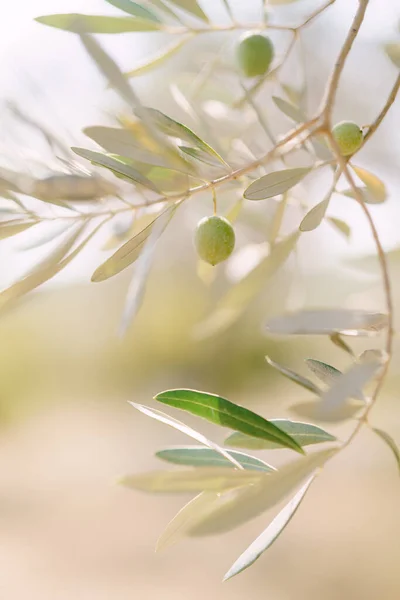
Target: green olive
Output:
{"points": [[254, 54], [349, 137], [214, 239]]}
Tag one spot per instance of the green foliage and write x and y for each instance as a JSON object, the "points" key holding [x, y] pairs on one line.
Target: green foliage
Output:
{"points": [[214, 145]]}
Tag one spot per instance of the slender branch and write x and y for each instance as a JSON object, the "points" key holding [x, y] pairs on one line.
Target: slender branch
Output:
{"points": [[333, 84], [316, 13], [391, 98]]}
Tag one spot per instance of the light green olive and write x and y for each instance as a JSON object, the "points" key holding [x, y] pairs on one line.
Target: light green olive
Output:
{"points": [[214, 239], [349, 137], [254, 54]]}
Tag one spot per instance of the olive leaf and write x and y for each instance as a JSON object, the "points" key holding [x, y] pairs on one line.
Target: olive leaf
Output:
{"points": [[323, 371], [134, 9], [393, 52], [221, 411], [13, 227], [276, 183], [160, 57], [192, 7], [315, 216], [79, 23], [198, 456], [374, 185], [389, 442], [271, 533], [299, 379], [341, 226], [290, 110]]}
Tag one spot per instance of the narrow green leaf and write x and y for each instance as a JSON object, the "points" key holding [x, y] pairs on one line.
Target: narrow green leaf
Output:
{"points": [[323, 371], [134, 9], [374, 185], [393, 52], [78, 23], [315, 216], [192, 7], [159, 58], [178, 425], [222, 412], [270, 534], [174, 129], [201, 479], [305, 434], [390, 443], [341, 226], [299, 379], [276, 183], [130, 251], [109, 68], [198, 456], [13, 227], [116, 166], [290, 110], [324, 322], [201, 156], [239, 296], [239, 506]]}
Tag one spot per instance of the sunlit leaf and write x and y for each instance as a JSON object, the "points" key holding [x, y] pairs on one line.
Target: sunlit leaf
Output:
{"points": [[201, 479], [299, 379], [390, 443], [393, 52], [174, 129], [239, 506], [13, 227], [327, 321], [305, 434], [108, 67], [134, 9], [276, 183], [374, 185], [116, 166], [222, 412], [269, 535], [365, 193], [178, 425], [341, 226], [236, 300], [78, 23], [315, 216], [198, 456], [192, 7], [159, 58], [130, 251], [288, 109]]}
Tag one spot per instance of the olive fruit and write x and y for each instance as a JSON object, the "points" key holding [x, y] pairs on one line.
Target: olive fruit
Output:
{"points": [[254, 54], [349, 137], [214, 239]]}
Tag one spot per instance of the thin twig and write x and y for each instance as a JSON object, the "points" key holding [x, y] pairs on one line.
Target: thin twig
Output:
{"points": [[316, 13]]}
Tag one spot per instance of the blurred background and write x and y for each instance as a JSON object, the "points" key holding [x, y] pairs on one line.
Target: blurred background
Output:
{"points": [[67, 431]]}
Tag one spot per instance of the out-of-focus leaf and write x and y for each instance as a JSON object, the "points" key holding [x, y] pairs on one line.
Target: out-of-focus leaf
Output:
{"points": [[41, 238], [192, 7], [276, 183], [207, 479], [159, 58], [341, 226], [174, 129], [288, 109], [78, 23], [116, 166], [315, 216], [311, 410], [201, 156], [222, 412], [348, 385], [60, 188], [393, 52], [366, 194], [193, 512], [305, 434], [327, 321], [130, 251], [374, 185], [231, 306], [323, 371], [373, 354], [239, 506], [198, 456], [295, 95], [390, 443], [13, 227], [178, 425], [134, 9], [267, 538], [48, 267], [338, 341], [299, 379], [109, 68], [137, 286]]}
